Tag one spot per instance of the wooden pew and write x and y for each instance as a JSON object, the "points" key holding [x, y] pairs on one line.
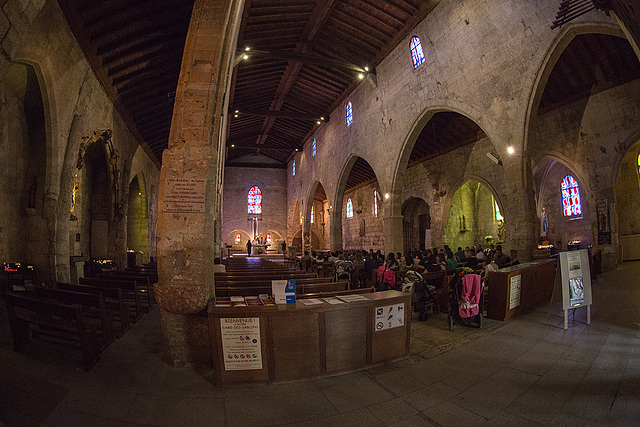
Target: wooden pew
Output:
{"points": [[93, 307], [114, 301], [130, 292], [145, 287], [327, 294], [63, 321], [439, 280]]}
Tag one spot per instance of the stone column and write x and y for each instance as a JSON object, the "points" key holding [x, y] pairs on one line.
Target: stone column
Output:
{"points": [[335, 231], [521, 220], [186, 240], [392, 224]]}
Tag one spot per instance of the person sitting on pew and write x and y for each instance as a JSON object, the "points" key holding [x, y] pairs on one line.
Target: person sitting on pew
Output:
{"points": [[489, 265], [218, 267], [514, 258], [500, 258]]}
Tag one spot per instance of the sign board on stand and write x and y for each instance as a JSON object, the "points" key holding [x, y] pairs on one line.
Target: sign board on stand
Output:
{"points": [[575, 281], [241, 343]]}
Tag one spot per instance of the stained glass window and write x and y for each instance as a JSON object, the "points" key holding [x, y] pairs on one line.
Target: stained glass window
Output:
{"points": [[570, 197], [638, 163], [349, 209], [313, 147], [496, 211], [375, 202], [254, 201], [268, 237], [311, 215], [237, 238], [417, 55], [293, 169], [349, 113]]}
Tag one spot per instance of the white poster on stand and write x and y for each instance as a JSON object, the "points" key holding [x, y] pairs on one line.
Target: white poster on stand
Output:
{"points": [[241, 343], [576, 282]]}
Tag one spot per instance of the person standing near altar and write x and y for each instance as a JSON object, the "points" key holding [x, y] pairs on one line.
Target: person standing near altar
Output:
{"points": [[249, 245]]}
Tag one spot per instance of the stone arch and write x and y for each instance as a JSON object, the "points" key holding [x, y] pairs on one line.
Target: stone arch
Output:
{"points": [[276, 238], [417, 127], [30, 201], [626, 195], [337, 213], [566, 34], [322, 220], [137, 218], [237, 247], [475, 215], [547, 178]]}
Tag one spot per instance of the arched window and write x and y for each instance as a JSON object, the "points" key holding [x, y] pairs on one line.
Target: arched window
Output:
{"points": [[570, 197], [237, 238], [268, 237], [311, 219], [349, 209], [300, 217], [313, 147], [349, 113], [254, 201], [293, 169], [375, 203], [417, 55]]}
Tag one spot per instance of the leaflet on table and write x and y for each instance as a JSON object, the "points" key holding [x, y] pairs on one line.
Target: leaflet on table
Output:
{"points": [[332, 300], [311, 301], [353, 298]]}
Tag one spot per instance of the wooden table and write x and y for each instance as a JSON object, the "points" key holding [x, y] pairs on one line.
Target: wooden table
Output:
{"points": [[516, 289], [298, 341]]}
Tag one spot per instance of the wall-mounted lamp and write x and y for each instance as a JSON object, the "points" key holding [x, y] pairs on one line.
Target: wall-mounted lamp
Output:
{"points": [[494, 158]]}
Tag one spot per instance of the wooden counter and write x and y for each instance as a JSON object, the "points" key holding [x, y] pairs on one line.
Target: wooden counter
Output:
{"points": [[302, 341], [535, 282]]}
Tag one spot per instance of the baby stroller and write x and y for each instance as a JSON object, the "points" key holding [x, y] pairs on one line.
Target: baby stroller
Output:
{"points": [[422, 295], [465, 300]]}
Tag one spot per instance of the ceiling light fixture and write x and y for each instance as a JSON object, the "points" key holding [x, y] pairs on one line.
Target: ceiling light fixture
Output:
{"points": [[361, 76], [511, 150]]}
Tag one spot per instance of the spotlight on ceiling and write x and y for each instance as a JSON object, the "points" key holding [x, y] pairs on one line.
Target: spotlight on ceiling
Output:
{"points": [[361, 76], [511, 150]]}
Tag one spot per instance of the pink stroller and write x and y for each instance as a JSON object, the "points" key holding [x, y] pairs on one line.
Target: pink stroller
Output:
{"points": [[465, 300]]}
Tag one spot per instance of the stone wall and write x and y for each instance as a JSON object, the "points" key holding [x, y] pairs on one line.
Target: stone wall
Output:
{"points": [[364, 229], [627, 193], [272, 184], [50, 101]]}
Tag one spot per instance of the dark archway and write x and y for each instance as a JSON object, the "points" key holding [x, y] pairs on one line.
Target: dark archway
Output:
{"points": [[96, 206], [137, 220], [416, 224]]}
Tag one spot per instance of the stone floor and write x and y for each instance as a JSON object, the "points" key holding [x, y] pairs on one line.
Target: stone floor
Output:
{"points": [[527, 371]]}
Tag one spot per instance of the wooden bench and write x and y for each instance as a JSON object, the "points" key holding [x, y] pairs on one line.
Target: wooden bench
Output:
{"points": [[337, 293], [62, 321], [130, 292], [257, 290], [145, 287], [92, 305], [114, 301]]}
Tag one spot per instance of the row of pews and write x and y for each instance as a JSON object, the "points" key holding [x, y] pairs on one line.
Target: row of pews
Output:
{"points": [[89, 315], [253, 276]]}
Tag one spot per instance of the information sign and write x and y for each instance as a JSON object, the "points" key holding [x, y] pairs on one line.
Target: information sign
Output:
{"points": [[575, 281], [387, 317], [514, 291], [241, 343], [184, 195]]}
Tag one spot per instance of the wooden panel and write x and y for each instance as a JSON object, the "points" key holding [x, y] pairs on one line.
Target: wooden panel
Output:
{"points": [[390, 343], [296, 346], [346, 339], [630, 247], [537, 279]]}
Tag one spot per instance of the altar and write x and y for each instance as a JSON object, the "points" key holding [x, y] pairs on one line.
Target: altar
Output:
{"points": [[258, 249]]}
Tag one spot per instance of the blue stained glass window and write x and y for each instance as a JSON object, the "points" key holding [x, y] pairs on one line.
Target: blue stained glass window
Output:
{"points": [[254, 201], [571, 205], [349, 113], [349, 209], [293, 169], [417, 55], [313, 147]]}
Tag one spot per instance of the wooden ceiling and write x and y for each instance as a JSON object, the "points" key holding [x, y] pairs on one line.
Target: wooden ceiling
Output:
{"points": [[303, 61], [591, 63]]}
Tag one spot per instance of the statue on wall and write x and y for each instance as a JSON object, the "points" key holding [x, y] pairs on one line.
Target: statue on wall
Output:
{"points": [[544, 224]]}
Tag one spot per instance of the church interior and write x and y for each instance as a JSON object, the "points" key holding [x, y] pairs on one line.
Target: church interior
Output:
{"points": [[156, 138]]}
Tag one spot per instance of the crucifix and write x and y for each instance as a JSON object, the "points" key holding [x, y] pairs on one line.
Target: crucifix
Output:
{"points": [[254, 226]]}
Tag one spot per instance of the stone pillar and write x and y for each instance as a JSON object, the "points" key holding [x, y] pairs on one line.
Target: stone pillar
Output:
{"points": [[186, 240], [392, 224], [521, 220], [335, 231]]}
